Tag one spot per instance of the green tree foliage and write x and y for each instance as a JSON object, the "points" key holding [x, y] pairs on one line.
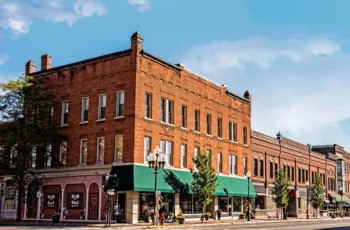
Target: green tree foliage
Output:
{"points": [[280, 190], [205, 180], [317, 194], [26, 128]]}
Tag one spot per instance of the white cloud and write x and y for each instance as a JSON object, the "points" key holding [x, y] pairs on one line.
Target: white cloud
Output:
{"points": [[3, 58], [18, 15], [299, 86], [143, 5]]}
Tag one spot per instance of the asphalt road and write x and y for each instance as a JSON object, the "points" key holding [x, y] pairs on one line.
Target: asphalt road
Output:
{"points": [[338, 224]]}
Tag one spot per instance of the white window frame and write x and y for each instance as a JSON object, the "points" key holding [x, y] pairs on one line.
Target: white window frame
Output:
{"points": [[233, 132], [220, 128], [209, 124], [167, 119], [48, 156], [63, 159], [98, 150], [199, 120], [167, 148], [83, 100], [118, 103], [183, 156], [245, 135], [100, 102], [219, 162], [184, 116], [233, 164], [81, 151], [148, 107], [196, 152], [145, 155], [115, 148], [63, 112]]}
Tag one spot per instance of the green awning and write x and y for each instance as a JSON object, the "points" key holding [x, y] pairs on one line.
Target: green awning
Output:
{"points": [[141, 178]]}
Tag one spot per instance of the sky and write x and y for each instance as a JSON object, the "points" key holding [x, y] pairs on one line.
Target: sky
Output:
{"points": [[292, 56]]}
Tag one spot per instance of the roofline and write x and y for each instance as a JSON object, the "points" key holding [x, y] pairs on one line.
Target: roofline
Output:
{"points": [[160, 61], [238, 97], [105, 57]]}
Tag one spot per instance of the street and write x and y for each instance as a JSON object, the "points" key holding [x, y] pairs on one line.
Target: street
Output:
{"points": [[302, 225]]}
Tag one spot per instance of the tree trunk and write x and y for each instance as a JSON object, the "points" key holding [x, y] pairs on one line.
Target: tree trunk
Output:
{"points": [[281, 213], [203, 214], [316, 212], [19, 201]]}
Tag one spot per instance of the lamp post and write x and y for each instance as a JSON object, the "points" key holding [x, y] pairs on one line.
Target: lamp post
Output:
{"points": [[307, 200], [341, 192], [156, 160], [248, 177]]}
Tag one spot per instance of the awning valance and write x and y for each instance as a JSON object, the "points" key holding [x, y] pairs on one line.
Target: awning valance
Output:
{"points": [[339, 198], [141, 178]]}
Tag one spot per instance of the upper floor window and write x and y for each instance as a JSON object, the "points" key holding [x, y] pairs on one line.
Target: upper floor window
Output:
{"points": [[100, 150], [219, 162], [148, 105], [64, 117], [118, 152], [209, 124], [261, 168], [83, 151], [167, 111], [271, 170], [219, 127], [63, 153], [183, 156], [313, 177], [299, 175], [197, 120], [50, 118], [102, 102], [48, 157], [303, 175], [233, 164], [255, 167], [245, 165], [33, 157], [288, 172], [196, 151], [276, 170], [167, 148], [293, 173], [147, 147], [245, 135], [120, 103], [233, 131], [85, 109], [184, 116], [306, 175]]}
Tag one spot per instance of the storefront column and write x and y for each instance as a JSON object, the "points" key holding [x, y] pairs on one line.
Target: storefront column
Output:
{"points": [[132, 206], [99, 204], [25, 204], [297, 203], [177, 203], [87, 204], [62, 202], [231, 206], [242, 206], [38, 207]]}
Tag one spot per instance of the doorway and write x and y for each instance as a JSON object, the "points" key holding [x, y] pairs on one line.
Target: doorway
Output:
{"points": [[93, 202], [32, 200]]}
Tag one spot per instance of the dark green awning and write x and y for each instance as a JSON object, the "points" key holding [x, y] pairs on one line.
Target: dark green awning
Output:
{"points": [[141, 178]]}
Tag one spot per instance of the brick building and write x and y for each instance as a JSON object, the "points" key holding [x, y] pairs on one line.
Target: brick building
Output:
{"points": [[115, 109], [300, 161]]}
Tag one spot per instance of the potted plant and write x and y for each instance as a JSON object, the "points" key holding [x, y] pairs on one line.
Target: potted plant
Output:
{"points": [[219, 212], [241, 216], [180, 219], [207, 215]]}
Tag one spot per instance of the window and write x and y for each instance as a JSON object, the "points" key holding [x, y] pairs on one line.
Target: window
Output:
{"points": [[261, 168], [183, 156], [197, 127], [255, 167], [245, 165], [233, 164], [245, 135], [233, 131], [196, 151], [118, 152], [220, 162], [209, 124], [307, 175], [167, 111], [288, 172], [299, 202], [220, 127], [209, 154], [148, 105], [100, 150], [83, 151], [33, 157], [271, 170], [167, 148], [48, 157], [293, 173], [102, 101], [299, 175], [63, 152], [64, 117], [51, 200], [303, 175], [313, 177], [85, 110], [184, 116], [120, 104], [50, 118], [75, 200], [276, 170], [147, 147]]}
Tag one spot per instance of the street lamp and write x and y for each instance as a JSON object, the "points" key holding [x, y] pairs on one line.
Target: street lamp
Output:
{"points": [[307, 200], [248, 177], [341, 192], [156, 160]]}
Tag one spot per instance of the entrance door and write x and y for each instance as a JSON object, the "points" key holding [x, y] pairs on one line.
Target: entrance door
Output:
{"points": [[93, 202], [31, 206]]}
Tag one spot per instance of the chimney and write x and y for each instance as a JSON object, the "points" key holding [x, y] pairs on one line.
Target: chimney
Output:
{"points": [[46, 61], [30, 67], [136, 41], [182, 66]]}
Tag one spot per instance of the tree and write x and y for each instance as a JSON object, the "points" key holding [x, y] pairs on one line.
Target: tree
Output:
{"points": [[27, 132], [318, 194], [280, 190], [204, 181]]}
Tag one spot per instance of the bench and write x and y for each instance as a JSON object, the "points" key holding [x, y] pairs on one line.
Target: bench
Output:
{"points": [[271, 215]]}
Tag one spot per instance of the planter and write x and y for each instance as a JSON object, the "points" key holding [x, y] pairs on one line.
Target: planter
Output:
{"points": [[206, 217], [181, 220]]}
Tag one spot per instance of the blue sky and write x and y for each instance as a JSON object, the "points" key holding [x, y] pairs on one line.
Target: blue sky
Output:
{"points": [[293, 56]]}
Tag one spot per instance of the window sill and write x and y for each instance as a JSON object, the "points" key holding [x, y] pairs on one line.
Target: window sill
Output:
{"points": [[82, 165], [99, 163], [245, 145], [183, 128], [117, 162], [63, 125], [101, 120], [163, 123], [208, 135], [120, 117], [147, 118], [83, 122], [196, 132], [220, 138], [233, 142]]}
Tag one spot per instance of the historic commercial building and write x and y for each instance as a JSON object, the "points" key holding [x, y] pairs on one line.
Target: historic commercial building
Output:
{"points": [[114, 110], [302, 163]]}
